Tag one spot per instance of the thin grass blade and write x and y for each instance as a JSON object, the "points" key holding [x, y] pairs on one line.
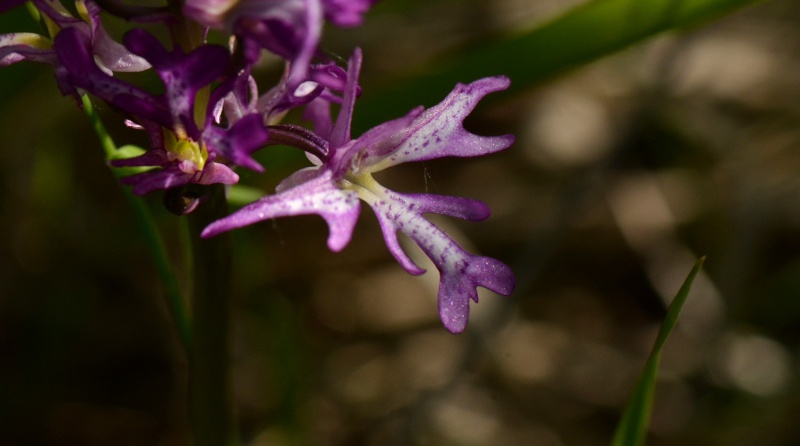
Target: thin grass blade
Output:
{"points": [[635, 421]]}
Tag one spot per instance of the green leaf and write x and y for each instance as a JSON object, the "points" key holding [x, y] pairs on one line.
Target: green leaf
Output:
{"points": [[240, 195], [588, 32], [125, 152], [635, 420]]}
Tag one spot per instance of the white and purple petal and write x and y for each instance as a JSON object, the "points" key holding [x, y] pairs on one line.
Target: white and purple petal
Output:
{"points": [[318, 196], [460, 272], [458, 207], [79, 70], [439, 131], [458, 282], [238, 102], [110, 54], [114, 56], [16, 47]]}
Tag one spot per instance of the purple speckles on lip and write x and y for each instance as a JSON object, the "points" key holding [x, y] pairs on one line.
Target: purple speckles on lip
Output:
{"points": [[460, 272], [317, 196]]}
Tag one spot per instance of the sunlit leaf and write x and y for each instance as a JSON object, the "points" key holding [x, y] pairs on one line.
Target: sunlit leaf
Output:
{"points": [[581, 35]]}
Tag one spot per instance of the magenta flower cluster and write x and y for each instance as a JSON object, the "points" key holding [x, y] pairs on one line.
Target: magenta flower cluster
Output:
{"points": [[211, 117]]}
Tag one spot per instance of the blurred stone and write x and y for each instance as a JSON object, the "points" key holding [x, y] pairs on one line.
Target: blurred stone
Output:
{"points": [[753, 363]]}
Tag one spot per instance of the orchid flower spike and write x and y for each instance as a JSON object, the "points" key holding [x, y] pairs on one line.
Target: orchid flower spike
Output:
{"points": [[186, 146]]}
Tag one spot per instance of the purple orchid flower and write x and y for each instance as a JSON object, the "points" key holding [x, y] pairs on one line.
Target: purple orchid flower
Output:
{"points": [[109, 55], [343, 175], [185, 143], [288, 28], [323, 86]]}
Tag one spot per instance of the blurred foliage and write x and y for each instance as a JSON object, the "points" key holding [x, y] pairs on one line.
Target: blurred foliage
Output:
{"points": [[627, 167], [578, 36]]}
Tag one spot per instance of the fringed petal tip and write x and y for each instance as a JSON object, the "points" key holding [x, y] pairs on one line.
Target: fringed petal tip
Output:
{"points": [[492, 274], [458, 287]]}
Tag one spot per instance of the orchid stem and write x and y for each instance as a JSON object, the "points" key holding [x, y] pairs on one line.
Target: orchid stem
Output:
{"points": [[147, 225], [210, 399]]}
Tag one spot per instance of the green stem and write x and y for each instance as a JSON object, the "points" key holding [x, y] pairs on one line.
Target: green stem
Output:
{"points": [[210, 404], [152, 238]]}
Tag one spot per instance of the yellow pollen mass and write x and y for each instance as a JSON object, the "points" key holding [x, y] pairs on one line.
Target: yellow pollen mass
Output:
{"points": [[186, 150]]}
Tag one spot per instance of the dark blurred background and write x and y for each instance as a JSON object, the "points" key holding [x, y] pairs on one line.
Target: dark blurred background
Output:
{"points": [[624, 172]]}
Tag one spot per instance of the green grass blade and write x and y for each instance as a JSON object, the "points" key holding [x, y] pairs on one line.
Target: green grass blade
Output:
{"points": [[635, 420], [581, 35]]}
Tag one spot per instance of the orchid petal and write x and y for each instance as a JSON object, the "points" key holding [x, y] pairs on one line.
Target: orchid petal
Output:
{"points": [[72, 48], [183, 74], [458, 283], [318, 112], [169, 177], [115, 56], [297, 178], [341, 130], [288, 28], [317, 196], [458, 207], [389, 230], [460, 272], [211, 13], [239, 142], [346, 12], [111, 54], [216, 173], [59, 14], [175, 175], [439, 131], [16, 47]]}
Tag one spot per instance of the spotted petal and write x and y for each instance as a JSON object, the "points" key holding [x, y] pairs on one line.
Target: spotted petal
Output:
{"points": [[316, 196], [439, 131], [460, 272]]}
